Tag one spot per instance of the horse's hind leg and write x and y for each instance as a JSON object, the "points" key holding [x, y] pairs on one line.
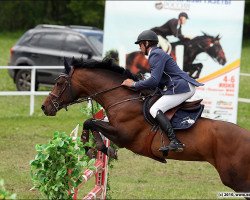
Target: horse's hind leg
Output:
{"points": [[235, 178], [97, 127]]}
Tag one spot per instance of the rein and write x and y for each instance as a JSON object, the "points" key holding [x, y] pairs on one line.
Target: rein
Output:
{"points": [[55, 102], [140, 97]]}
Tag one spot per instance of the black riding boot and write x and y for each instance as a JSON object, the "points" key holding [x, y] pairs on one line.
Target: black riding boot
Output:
{"points": [[165, 125]]}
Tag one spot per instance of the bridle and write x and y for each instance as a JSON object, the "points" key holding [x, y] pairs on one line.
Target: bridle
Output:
{"points": [[56, 103]]}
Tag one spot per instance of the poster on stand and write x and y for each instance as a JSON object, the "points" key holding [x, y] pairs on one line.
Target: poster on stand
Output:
{"points": [[210, 48]]}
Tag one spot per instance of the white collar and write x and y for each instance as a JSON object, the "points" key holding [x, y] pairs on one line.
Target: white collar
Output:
{"points": [[148, 53]]}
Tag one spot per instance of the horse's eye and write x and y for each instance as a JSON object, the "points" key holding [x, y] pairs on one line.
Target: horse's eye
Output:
{"points": [[58, 83]]}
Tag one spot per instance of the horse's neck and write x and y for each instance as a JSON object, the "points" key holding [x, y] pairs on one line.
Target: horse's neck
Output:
{"points": [[105, 84], [197, 48]]}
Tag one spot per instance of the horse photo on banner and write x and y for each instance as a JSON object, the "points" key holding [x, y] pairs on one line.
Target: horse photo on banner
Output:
{"points": [[209, 42]]}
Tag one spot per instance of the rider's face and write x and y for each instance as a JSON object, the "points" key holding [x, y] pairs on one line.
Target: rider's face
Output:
{"points": [[183, 20], [142, 47]]}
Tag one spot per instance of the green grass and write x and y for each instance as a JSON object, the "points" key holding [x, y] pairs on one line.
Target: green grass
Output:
{"points": [[244, 67], [132, 176], [7, 40]]}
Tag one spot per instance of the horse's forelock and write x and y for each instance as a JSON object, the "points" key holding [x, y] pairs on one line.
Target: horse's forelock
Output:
{"points": [[67, 67]]}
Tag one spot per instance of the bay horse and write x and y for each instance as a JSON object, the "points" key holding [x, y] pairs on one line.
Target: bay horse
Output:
{"points": [[192, 48], [224, 145]]}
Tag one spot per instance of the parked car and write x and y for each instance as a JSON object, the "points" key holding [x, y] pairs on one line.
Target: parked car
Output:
{"points": [[47, 45]]}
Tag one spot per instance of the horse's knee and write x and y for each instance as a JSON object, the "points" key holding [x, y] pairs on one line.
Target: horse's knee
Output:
{"points": [[85, 136], [88, 124]]}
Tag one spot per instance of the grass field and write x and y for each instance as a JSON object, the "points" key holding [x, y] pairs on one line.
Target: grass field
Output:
{"points": [[132, 176]]}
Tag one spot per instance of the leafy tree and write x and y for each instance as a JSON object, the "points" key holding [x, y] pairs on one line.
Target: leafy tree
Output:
{"points": [[91, 12], [246, 30], [25, 14]]}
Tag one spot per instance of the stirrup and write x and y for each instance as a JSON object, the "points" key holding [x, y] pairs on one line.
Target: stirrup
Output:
{"points": [[173, 146], [164, 150], [176, 146]]}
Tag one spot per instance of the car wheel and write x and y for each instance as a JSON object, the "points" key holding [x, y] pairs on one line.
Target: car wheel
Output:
{"points": [[23, 80]]}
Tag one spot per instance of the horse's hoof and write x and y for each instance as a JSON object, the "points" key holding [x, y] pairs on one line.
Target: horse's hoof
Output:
{"points": [[112, 153], [91, 153]]}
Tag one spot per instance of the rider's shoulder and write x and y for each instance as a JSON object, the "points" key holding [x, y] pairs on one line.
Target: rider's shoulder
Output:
{"points": [[157, 50], [158, 53], [173, 21]]}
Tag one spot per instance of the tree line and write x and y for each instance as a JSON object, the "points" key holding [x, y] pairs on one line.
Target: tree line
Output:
{"points": [[25, 14]]}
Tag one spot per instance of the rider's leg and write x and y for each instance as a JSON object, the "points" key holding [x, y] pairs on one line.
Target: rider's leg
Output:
{"points": [[163, 104], [164, 44]]}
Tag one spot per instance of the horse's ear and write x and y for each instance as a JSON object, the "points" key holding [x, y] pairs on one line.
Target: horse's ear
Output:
{"points": [[67, 67], [204, 33], [218, 37]]}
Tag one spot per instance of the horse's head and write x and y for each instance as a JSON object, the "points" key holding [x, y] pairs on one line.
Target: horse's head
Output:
{"points": [[213, 47], [61, 94], [137, 63]]}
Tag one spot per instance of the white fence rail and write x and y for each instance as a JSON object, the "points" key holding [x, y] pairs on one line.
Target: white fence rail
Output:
{"points": [[244, 74], [32, 93]]}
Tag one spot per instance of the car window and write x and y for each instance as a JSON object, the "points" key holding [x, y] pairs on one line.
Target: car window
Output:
{"points": [[96, 40], [35, 39], [25, 38], [51, 40], [74, 42]]}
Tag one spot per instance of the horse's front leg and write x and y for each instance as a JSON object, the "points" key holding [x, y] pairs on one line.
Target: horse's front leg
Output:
{"points": [[97, 127], [85, 138], [199, 67], [189, 68]]}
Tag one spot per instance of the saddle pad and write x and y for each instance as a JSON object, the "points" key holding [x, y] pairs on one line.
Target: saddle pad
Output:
{"points": [[184, 119]]}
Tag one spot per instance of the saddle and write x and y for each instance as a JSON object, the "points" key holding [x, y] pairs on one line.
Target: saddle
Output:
{"points": [[181, 117]]}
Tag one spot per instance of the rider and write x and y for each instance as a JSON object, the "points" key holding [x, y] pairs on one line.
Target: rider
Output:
{"points": [[175, 85], [171, 27]]}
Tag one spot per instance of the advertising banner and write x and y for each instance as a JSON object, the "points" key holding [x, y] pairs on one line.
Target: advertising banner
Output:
{"points": [[209, 41]]}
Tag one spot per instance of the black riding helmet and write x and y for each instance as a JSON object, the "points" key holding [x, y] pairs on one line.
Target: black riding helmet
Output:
{"points": [[147, 35], [183, 14]]}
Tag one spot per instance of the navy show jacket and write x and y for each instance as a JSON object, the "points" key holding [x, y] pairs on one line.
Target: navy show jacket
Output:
{"points": [[166, 74]]}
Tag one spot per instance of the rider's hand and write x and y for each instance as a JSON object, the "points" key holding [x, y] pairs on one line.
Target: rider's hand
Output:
{"points": [[128, 83]]}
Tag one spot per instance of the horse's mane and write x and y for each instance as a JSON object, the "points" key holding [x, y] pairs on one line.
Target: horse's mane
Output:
{"points": [[106, 64]]}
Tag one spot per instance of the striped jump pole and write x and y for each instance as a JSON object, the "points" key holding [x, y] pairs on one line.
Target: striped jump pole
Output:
{"points": [[101, 175], [100, 172]]}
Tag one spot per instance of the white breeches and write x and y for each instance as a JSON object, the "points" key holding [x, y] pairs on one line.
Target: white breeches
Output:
{"points": [[167, 102], [164, 44]]}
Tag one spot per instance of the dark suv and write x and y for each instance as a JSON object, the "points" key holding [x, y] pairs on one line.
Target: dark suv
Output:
{"points": [[47, 45]]}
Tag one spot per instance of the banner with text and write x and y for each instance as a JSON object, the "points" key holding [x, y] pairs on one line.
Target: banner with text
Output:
{"points": [[212, 41]]}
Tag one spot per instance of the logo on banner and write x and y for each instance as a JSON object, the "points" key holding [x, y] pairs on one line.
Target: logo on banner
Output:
{"points": [[177, 5]]}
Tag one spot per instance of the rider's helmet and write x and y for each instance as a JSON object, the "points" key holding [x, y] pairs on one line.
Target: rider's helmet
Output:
{"points": [[147, 35], [183, 14]]}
